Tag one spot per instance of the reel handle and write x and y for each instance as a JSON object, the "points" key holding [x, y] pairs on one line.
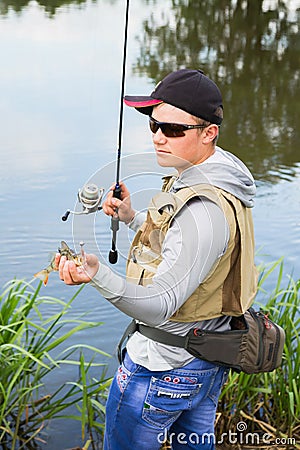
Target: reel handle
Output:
{"points": [[66, 215]]}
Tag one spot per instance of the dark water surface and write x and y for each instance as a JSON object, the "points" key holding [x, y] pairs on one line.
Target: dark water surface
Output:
{"points": [[60, 70]]}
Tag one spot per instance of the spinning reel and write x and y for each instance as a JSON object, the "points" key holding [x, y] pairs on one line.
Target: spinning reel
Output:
{"points": [[90, 197]]}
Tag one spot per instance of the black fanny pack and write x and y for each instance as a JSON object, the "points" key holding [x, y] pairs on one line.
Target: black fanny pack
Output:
{"points": [[253, 344]]}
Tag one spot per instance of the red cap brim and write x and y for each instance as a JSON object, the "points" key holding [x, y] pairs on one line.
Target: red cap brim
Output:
{"points": [[140, 102]]}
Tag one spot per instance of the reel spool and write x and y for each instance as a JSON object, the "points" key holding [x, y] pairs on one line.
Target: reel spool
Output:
{"points": [[90, 197]]}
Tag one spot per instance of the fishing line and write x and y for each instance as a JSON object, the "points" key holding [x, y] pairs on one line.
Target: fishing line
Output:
{"points": [[113, 254], [90, 195]]}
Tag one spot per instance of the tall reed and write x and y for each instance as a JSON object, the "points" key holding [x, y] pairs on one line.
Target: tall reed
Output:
{"points": [[28, 342], [268, 404]]}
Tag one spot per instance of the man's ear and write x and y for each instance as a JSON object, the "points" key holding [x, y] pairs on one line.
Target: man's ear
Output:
{"points": [[210, 133]]}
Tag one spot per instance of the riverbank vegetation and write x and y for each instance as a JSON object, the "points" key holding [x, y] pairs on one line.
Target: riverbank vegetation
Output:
{"points": [[263, 410], [33, 345], [254, 411]]}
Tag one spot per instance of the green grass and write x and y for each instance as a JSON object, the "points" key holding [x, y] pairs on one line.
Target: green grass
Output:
{"points": [[28, 342], [33, 346], [269, 403]]}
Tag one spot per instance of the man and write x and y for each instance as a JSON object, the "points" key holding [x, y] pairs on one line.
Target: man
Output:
{"points": [[191, 265]]}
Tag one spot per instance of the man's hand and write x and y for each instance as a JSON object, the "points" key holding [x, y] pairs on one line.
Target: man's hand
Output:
{"points": [[123, 205], [72, 274]]}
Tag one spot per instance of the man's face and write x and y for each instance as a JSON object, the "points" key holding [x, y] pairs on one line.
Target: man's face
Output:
{"points": [[184, 151]]}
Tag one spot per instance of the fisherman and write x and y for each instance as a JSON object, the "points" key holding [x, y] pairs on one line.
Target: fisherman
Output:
{"points": [[191, 265]]}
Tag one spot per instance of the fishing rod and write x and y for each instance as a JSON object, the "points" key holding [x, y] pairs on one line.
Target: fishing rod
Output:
{"points": [[90, 195], [114, 226]]}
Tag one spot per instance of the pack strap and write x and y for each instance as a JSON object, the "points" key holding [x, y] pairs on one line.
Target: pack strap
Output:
{"points": [[163, 337], [129, 331]]}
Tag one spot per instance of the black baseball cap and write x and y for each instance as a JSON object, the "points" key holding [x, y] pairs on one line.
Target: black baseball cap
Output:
{"points": [[189, 90]]}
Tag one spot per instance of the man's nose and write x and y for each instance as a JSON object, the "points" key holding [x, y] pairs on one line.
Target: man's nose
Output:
{"points": [[159, 137]]}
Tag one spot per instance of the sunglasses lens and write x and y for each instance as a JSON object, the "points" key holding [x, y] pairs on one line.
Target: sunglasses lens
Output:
{"points": [[168, 129], [153, 126], [173, 130]]}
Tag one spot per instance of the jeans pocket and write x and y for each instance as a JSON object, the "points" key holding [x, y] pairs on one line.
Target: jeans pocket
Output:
{"points": [[122, 377], [166, 400]]}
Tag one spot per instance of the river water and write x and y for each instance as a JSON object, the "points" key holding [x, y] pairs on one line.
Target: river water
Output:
{"points": [[60, 77]]}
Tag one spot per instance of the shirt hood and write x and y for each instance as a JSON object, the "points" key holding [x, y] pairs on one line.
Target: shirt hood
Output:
{"points": [[223, 170]]}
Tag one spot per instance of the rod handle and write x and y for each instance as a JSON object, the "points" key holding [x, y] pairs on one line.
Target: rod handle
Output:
{"points": [[114, 225]]}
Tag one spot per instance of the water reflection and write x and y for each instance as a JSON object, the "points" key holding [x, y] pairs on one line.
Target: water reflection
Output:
{"points": [[50, 6], [251, 49]]}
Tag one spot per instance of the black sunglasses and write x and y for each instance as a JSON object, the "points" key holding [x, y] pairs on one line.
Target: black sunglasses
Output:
{"points": [[171, 129]]}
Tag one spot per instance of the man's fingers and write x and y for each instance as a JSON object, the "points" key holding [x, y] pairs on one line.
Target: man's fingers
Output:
{"points": [[110, 205], [67, 273], [108, 210], [71, 274], [62, 260], [57, 260], [116, 202]]}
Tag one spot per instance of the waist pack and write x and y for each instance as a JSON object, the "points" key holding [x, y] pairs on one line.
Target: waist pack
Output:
{"points": [[253, 344]]}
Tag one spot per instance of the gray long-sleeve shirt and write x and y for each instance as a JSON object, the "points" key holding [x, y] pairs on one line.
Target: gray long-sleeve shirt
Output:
{"points": [[196, 239]]}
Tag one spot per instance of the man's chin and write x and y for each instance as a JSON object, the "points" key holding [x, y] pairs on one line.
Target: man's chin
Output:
{"points": [[165, 159]]}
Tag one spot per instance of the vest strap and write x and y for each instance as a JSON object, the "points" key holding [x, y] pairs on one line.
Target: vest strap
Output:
{"points": [[163, 337], [130, 330]]}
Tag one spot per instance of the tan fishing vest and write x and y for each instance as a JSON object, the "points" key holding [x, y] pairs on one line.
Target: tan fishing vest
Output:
{"points": [[230, 287]]}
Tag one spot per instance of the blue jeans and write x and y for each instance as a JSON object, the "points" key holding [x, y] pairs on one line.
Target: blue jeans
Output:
{"points": [[145, 407]]}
